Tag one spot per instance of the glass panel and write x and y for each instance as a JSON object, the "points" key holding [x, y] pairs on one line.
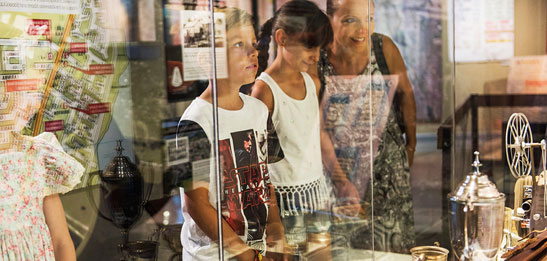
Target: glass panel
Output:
{"points": [[500, 71], [102, 103], [409, 186], [312, 124], [284, 197], [203, 34], [350, 121]]}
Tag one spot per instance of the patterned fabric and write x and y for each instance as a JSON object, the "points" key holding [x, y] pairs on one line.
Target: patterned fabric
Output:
{"points": [[392, 199], [40, 169]]}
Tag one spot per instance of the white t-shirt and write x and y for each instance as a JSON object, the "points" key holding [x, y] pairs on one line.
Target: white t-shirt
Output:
{"points": [[298, 177], [244, 172]]}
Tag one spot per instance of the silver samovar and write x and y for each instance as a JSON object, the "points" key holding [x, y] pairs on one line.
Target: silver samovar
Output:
{"points": [[476, 217]]}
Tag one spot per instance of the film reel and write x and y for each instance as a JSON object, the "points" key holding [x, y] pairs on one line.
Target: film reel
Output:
{"points": [[518, 145]]}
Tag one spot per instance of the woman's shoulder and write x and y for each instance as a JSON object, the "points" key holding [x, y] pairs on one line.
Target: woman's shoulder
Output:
{"points": [[391, 52], [388, 43]]}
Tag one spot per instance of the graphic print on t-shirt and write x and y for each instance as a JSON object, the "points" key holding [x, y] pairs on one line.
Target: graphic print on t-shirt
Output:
{"points": [[231, 200], [246, 182]]}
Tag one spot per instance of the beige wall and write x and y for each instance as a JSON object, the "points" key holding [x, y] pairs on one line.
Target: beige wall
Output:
{"points": [[530, 39]]}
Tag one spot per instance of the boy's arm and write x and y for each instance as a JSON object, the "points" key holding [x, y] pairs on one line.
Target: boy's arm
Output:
{"points": [[205, 216], [275, 232]]}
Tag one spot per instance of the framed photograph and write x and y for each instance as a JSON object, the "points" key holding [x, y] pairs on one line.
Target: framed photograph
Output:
{"points": [[177, 153], [178, 87]]}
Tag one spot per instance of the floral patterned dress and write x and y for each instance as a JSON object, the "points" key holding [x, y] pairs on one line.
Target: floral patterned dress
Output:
{"points": [[38, 169], [392, 195]]}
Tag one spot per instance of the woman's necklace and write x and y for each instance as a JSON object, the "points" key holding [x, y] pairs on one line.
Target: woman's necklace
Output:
{"points": [[343, 64]]}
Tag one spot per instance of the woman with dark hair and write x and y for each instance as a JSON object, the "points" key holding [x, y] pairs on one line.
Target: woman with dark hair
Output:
{"points": [[344, 68], [299, 29]]}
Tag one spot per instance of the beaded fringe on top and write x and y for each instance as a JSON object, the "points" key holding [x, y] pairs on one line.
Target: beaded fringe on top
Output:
{"points": [[305, 198]]}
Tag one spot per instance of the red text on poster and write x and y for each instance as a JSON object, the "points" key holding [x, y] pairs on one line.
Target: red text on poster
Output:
{"points": [[78, 47], [18, 85], [96, 108], [38, 27], [56, 125], [96, 69]]}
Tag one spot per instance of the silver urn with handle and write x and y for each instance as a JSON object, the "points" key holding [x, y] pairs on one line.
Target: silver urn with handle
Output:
{"points": [[476, 217]]}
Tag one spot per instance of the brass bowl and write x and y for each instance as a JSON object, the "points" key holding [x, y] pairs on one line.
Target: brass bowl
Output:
{"points": [[427, 253]]}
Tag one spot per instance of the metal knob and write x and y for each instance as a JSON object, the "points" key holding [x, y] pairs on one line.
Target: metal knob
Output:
{"points": [[476, 163]]}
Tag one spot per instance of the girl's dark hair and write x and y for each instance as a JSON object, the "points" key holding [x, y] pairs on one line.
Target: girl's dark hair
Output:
{"points": [[302, 20]]}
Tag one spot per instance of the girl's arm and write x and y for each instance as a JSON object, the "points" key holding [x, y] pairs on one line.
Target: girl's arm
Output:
{"points": [[205, 216], [345, 190], [55, 219], [397, 66]]}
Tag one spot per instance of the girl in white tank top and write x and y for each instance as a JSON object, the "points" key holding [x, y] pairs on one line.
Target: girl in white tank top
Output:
{"points": [[300, 29]]}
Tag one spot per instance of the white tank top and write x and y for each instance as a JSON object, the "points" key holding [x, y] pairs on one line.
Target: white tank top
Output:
{"points": [[298, 177]]}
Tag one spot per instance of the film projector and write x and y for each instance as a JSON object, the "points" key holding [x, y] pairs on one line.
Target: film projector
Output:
{"points": [[530, 205]]}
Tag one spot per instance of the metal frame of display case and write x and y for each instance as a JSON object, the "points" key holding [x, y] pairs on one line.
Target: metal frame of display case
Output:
{"points": [[445, 138]]}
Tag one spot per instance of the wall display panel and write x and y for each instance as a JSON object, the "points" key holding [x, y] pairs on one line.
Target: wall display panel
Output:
{"points": [[84, 75], [179, 87], [416, 28], [528, 74], [484, 30], [77, 61]]}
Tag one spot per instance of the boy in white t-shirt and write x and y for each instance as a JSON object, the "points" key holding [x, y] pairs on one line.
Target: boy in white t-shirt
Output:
{"points": [[249, 208]]}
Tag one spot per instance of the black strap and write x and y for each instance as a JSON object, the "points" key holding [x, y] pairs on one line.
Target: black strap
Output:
{"points": [[377, 45]]}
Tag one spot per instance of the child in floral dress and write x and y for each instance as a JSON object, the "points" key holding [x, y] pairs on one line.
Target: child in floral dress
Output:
{"points": [[33, 170]]}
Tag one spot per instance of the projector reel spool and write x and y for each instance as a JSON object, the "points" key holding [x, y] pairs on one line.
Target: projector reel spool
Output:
{"points": [[518, 145]]}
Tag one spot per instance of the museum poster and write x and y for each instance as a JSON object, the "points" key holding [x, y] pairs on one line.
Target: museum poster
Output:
{"points": [[79, 63]]}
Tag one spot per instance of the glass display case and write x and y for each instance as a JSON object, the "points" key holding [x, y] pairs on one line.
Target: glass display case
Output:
{"points": [[305, 130]]}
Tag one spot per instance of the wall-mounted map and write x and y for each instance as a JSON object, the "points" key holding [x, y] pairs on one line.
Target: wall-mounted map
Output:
{"points": [[68, 53]]}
